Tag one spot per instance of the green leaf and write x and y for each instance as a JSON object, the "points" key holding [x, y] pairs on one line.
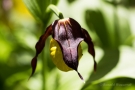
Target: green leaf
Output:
{"points": [[124, 24], [55, 10], [38, 8], [110, 23], [96, 21], [117, 22], [115, 63], [121, 83], [106, 64]]}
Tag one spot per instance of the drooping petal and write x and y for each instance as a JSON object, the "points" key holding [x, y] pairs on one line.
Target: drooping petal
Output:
{"points": [[39, 47], [91, 50]]}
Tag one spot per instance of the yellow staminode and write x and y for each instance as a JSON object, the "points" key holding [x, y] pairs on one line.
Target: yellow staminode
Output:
{"points": [[57, 58]]}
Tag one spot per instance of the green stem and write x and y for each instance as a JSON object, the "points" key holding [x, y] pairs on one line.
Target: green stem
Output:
{"points": [[44, 65], [43, 72], [55, 10], [43, 57], [116, 24]]}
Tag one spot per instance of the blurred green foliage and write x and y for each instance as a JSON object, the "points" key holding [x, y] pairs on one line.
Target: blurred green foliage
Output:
{"points": [[110, 24]]}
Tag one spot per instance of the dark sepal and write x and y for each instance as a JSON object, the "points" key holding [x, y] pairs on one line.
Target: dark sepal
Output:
{"points": [[91, 50], [39, 47], [80, 76]]}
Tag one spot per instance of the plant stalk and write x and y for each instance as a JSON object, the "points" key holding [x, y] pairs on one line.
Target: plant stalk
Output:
{"points": [[44, 64], [55, 10]]}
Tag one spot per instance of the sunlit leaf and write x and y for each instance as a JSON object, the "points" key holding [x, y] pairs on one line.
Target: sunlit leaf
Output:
{"points": [[120, 83], [96, 21], [114, 64], [38, 8]]}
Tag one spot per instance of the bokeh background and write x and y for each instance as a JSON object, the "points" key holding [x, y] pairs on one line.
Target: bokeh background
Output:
{"points": [[110, 23]]}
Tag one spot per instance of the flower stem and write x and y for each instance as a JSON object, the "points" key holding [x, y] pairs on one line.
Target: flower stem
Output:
{"points": [[55, 10], [44, 65], [43, 57], [43, 72]]}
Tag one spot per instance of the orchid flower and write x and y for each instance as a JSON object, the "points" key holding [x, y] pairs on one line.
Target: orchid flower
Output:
{"points": [[65, 47]]}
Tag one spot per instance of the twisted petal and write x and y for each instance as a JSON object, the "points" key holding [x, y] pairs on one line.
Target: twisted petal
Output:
{"points": [[91, 50], [39, 47]]}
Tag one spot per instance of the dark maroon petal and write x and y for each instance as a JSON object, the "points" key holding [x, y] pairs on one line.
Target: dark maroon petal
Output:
{"points": [[91, 50], [39, 47], [68, 33]]}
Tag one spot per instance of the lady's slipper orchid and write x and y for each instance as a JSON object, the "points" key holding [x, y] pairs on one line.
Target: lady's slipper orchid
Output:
{"points": [[65, 46]]}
